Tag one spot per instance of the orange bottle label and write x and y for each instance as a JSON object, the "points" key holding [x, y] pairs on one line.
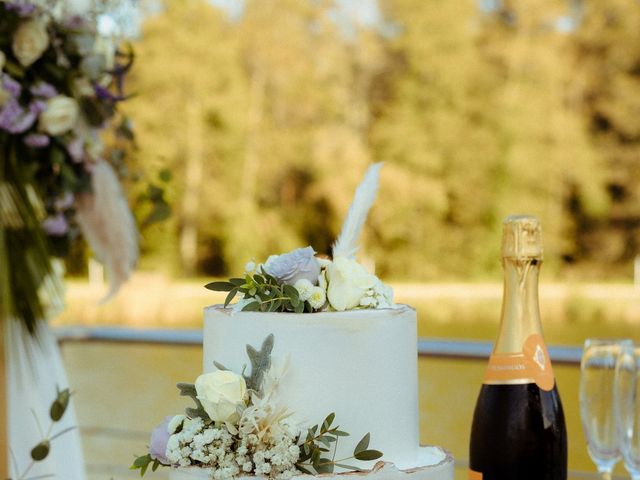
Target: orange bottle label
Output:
{"points": [[475, 475], [533, 365]]}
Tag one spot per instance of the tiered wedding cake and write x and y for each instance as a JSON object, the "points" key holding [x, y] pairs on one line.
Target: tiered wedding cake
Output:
{"points": [[360, 364], [314, 348]]}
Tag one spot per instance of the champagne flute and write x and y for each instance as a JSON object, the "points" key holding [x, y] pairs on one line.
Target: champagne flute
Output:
{"points": [[627, 406], [597, 379]]}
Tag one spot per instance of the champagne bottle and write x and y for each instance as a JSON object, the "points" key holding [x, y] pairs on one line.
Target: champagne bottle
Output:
{"points": [[518, 430]]}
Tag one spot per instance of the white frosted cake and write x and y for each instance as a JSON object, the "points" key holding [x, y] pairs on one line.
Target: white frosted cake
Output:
{"points": [[360, 364]]}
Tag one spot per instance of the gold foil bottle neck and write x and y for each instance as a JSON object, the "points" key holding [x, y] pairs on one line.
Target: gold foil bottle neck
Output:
{"points": [[522, 237]]}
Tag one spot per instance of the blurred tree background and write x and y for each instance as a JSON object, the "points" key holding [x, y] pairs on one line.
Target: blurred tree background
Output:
{"points": [[268, 118]]}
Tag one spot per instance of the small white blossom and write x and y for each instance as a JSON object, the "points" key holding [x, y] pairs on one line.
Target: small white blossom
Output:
{"points": [[318, 298], [175, 423], [250, 267], [304, 288], [368, 301]]}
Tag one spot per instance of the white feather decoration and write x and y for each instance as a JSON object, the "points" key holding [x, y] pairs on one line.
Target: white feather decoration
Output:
{"points": [[108, 225], [347, 243]]}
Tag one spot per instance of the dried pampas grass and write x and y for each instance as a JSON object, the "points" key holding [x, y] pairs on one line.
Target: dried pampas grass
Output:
{"points": [[108, 225]]}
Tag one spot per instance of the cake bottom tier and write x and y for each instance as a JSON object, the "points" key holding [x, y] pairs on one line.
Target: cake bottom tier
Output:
{"points": [[435, 464]]}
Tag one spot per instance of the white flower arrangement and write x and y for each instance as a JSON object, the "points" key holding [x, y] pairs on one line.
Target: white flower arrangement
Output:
{"points": [[239, 427], [299, 281]]}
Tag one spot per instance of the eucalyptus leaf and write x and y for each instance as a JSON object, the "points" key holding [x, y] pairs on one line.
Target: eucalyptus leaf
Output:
{"points": [[230, 296], [324, 466], [347, 467], [362, 445], [59, 405], [292, 293], [40, 451], [141, 461], [251, 307], [303, 469], [220, 286], [56, 411], [324, 441], [270, 279], [315, 457], [328, 421], [367, 455]]}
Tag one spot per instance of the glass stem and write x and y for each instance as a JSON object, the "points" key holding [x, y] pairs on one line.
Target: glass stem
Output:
{"points": [[606, 474]]}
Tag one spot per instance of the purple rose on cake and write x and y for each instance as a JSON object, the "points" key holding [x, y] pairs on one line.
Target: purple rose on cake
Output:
{"points": [[298, 264], [159, 439]]}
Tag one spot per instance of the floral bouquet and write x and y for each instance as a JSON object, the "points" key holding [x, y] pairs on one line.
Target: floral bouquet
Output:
{"points": [[300, 282], [239, 427], [60, 85]]}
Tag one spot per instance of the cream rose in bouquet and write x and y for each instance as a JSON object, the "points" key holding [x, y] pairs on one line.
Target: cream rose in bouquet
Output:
{"points": [[30, 41], [222, 394], [60, 115]]}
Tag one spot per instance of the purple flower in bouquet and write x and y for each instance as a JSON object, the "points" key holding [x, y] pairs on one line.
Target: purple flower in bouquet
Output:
{"points": [[65, 201], [104, 94], [15, 119], [55, 225], [36, 140], [23, 8], [37, 106], [159, 439], [12, 86], [44, 90]]}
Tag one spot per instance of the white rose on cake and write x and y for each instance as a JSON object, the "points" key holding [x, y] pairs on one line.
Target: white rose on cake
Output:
{"points": [[30, 41], [221, 392], [348, 281], [60, 116]]}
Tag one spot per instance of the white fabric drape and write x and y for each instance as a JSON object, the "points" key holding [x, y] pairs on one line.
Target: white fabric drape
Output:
{"points": [[34, 369]]}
